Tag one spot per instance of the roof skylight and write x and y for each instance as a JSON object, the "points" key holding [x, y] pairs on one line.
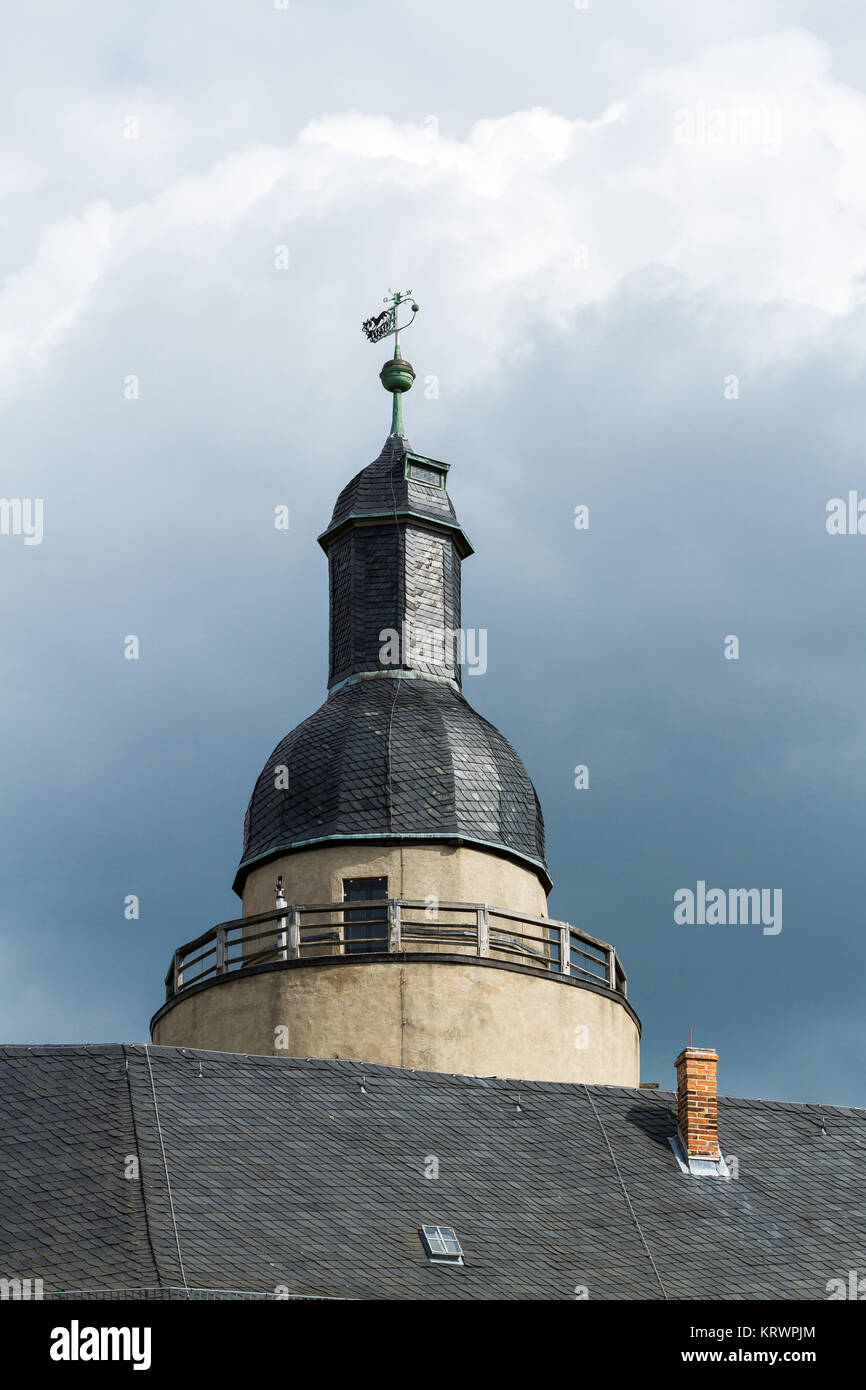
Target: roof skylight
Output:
{"points": [[441, 1244]]}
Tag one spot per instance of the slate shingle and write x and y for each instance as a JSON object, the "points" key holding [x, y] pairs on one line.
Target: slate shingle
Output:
{"points": [[395, 758], [282, 1172], [386, 758]]}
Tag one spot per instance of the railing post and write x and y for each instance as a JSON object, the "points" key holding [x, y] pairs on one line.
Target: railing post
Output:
{"points": [[279, 901], [394, 926], [611, 969], [294, 934], [178, 973], [565, 949], [220, 950], [483, 920]]}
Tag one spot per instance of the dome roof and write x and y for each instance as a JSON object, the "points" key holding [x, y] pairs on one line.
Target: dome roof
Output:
{"points": [[394, 758]]}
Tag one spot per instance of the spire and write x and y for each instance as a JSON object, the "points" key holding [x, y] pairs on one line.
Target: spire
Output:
{"points": [[395, 549], [397, 374]]}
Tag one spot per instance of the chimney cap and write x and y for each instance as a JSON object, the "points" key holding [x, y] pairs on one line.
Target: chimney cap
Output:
{"points": [[697, 1054]]}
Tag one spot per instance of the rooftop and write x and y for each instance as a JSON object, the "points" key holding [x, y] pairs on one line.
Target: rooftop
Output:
{"points": [[259, 1172]]}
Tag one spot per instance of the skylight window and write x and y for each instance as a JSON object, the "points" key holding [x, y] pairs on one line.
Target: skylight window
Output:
{"points": [[442, 1245]]}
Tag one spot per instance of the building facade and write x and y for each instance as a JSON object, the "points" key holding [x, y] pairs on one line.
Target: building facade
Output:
{"points": [[395, 1076]]}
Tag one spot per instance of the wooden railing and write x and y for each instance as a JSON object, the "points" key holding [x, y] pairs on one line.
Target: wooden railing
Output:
{"points": [[394, 926]]}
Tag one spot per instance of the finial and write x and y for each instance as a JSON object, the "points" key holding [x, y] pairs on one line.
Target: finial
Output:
{"points": [[397, 374]]}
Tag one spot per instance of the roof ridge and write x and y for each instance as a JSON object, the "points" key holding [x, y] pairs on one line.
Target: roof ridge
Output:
{"points": [[350, 1065]]}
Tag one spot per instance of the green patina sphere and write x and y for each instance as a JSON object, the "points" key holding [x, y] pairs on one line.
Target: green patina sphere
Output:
{"points": [[397, 375]]}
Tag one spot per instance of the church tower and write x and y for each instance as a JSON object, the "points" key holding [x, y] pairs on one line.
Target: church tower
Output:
{"points": [[393, 876]]}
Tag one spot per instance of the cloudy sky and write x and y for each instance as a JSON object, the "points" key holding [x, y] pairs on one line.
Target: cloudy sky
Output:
{"points": [[638, 236]]}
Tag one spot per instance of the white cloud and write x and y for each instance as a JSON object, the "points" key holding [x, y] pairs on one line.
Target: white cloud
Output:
{"points": [[507, 214], [494, 153], [768, 206], [41, 302]]}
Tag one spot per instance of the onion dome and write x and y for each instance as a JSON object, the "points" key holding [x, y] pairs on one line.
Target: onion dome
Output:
{"points": [[394, 760], [395, 752]]}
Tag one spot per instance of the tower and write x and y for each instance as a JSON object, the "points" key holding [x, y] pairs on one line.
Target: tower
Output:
{"points": [[393, 875]]}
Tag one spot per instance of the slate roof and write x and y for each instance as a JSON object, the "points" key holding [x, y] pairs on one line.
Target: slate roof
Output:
{"points": [[390, 757], [395, 758], [285, 1172], [400, 578], [380, 489]]}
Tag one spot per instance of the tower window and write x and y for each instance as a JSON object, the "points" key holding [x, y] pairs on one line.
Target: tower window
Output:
{"points": [[366, 928], [441, 1244], [430, 472]]}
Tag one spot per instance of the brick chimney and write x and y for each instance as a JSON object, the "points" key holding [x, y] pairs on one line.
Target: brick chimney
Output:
{"points": [[697, 1110]]}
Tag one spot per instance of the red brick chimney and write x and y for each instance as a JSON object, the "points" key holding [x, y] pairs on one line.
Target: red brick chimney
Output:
{"points": [[697, 1110]]}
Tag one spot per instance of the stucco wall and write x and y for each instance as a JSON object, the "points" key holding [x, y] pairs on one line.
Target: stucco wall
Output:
{"points": [[452, 873], [436, 1016]]}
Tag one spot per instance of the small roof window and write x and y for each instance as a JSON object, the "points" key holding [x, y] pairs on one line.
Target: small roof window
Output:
{"points": [[430, 472], [441, 1244]]}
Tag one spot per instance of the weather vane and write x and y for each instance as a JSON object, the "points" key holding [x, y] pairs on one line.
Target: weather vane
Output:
{"points": [[397, 374], [383, 325]]}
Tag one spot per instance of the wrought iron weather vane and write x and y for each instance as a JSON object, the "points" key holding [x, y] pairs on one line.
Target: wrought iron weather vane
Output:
{"points": [[397, 374]]}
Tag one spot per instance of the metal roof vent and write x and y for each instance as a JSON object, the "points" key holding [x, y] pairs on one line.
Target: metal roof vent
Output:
{"points": [[441, 1245]]}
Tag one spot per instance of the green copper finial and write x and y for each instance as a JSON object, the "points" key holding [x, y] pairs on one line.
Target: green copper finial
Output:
{"points": [[397, 374]]}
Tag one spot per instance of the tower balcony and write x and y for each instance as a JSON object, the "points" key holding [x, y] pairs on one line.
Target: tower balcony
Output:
{"points": [[392, 926], [441, 986]]}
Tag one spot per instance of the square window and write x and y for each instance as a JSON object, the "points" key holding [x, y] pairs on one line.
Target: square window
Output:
{"points": [[441, 1245]]}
